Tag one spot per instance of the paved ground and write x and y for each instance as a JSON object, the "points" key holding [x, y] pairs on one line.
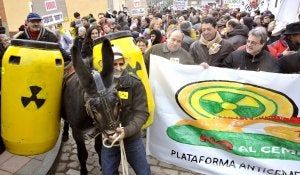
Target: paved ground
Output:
{"points": [[62, 160], [68, 164]]}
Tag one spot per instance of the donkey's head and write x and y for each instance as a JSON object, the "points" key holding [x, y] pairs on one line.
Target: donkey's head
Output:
{"points": [[101, 98]]}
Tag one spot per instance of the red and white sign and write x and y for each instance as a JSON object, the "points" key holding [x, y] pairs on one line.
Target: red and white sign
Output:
{"points": [[50, 5]]}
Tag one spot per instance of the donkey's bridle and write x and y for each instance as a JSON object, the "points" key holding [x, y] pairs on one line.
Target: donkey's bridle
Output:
{"points": [[103, 93]]}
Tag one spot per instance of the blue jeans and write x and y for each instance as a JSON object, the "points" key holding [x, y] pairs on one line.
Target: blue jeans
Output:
{"points": [[136, 157]]}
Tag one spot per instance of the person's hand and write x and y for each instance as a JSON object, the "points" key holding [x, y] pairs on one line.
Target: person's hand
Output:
{"points": [[271, 26], [287, 52], [119, 135], [204, 65]]}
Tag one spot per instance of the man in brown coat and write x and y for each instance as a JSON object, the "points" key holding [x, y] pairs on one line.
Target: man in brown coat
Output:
{"points": [[210, 48]]}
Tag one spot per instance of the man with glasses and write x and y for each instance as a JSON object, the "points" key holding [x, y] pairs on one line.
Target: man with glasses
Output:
{"points": [[253, 57]]}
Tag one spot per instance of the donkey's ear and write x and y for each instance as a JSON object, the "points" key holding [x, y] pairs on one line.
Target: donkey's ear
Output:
{"points": [[107, 62], [83, 73], [75, 52]]}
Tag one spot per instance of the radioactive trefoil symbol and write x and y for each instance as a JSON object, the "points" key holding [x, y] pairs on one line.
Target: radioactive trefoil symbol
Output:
{"points": [[34, 91], [134, 70]]}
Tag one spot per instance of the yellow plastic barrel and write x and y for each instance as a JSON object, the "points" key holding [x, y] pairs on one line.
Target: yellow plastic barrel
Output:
{"points": [[32, 77], [136, 64]]}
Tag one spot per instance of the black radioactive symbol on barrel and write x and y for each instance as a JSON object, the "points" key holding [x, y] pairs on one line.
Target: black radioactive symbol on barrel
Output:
{"points": [[33, 98], [132, 70]]}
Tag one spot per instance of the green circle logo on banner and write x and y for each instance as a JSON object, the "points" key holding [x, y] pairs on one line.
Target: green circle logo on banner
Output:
{"points": [[210, 99]]}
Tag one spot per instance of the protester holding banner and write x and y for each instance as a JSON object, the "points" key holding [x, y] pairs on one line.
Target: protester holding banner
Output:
{"points": [[253, 57], [133, 114], [170, 50], [210, 48]]}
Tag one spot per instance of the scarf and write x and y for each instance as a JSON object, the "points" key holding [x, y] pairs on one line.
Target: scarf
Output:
{"points": [[214, 45], [34, 35]]}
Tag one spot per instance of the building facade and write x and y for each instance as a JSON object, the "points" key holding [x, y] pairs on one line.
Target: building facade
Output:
{"points": [[14, 12]]}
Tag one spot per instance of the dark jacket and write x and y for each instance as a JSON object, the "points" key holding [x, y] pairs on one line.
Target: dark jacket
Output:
{"points": [[240, 59], [248, 21], [238, 36], [200, 53], [290, 63], [47, 36], [134, 108]]}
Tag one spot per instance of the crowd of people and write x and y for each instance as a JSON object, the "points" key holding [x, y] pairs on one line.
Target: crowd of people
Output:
{"points": [[208, 37]]}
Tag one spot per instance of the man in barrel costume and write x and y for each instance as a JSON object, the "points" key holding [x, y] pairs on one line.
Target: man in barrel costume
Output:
{"points": [[36, 31]]}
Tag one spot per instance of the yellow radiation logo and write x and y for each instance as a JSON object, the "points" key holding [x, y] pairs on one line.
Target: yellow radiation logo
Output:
{"points": [[210, 99]]}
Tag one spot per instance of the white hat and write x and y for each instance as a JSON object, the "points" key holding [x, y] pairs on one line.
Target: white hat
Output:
{"points": [[117, 52]]}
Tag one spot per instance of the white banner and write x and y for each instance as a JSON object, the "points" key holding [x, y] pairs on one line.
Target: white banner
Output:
{"points": [[192, 130]]}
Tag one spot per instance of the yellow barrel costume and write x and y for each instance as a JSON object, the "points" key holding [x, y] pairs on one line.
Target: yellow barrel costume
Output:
{"points": [[136, 64], [32, 77]]}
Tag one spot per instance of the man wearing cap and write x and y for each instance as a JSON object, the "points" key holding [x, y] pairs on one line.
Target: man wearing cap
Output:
{"points": [[133, 114], [290, 42], [36, 31]]}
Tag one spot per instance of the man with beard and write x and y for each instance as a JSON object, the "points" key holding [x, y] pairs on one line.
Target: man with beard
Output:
{"points": [[36, 31], [170, 50], [210, 48], [133, 114], [253, 57]]}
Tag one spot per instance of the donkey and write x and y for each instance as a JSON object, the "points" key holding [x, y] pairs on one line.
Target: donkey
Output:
{"points": [[90, 101]]}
